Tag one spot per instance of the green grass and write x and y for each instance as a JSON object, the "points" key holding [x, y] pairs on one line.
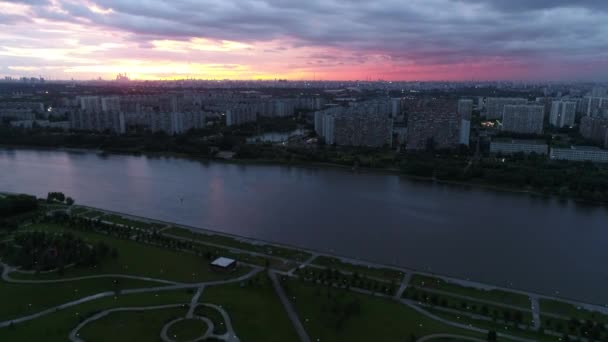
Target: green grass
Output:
{"points": [[491, 325], [382, 273], [117, 219], [219, 326], [132, 326], [282, 252], [25, 299], [378, 319], [492, 295], [470, 306], [255, 310], [93, 214], [78, 210], [139, 259], [57, 326], [571, 311], [187, 330]]}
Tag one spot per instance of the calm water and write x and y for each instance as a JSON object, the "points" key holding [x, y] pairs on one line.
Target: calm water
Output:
{"points": [[516, 240]]}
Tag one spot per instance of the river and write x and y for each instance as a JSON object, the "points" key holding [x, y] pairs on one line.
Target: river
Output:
{"points": [[516, 240]]}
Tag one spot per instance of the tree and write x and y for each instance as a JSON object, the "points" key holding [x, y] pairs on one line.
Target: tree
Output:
{"points": [[69, 201], [492, 335]]}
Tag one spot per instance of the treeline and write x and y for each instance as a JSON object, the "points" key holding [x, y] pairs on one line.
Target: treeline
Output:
{"points": [[11, 205], [42, 251], [585, 181]]}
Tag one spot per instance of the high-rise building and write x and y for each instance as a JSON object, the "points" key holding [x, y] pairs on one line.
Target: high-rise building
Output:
{"points": [[433, 122], [91, 104], [465, 110], [110, 104], [563, 113], [361, 124], [599, 92], [495, 106], [595, 129], [527, 119], [597, 107]]}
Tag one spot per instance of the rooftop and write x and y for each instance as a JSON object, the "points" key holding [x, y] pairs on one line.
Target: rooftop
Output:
{"points": [[223, 262]]}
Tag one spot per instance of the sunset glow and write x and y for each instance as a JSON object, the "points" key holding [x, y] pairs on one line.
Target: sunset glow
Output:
{"points": [[337, 39]]}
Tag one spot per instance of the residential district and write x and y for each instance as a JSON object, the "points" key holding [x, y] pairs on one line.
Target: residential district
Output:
{"points": [[503, 118]]}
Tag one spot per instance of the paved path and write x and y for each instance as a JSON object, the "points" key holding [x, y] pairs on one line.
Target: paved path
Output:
{"points": [[7, 269], [404, 284], [304, 264], [164, 332], [451, 336], [291, 312], [74, 333], [194, 302], [473, 299], [129, 291], [535, 304]]}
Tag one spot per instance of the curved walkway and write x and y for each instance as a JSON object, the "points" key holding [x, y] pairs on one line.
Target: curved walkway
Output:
{"points": [[459, 337], [74, 333], [129, 291], [8, 269]]}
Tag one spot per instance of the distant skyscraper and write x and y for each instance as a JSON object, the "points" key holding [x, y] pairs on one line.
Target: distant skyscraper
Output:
{"points": [[563, 113], [91, 104], [527, 119], [110, 104], [599, 92]]}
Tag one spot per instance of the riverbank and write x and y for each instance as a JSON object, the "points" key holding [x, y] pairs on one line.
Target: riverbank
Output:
{"points": [[324, 165]]}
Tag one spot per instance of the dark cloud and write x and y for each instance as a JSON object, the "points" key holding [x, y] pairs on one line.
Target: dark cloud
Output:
{"points": [[424, 32]]}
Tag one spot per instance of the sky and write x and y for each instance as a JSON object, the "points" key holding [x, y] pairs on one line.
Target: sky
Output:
{"points": [[424, 40]]}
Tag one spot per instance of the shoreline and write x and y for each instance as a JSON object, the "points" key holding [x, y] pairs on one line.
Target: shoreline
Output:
{"points": [[319, 166], [357, 261]]}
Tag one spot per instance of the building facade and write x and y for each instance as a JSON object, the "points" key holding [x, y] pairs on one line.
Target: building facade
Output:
{"points": [[511, 146], [495, 106], [563, 114], [526, 119], [580, 153]]}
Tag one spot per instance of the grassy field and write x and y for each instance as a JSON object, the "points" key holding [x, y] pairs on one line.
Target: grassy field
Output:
{"points": [[490, 325], [287, 253], [382, 273], [117, 219], [132, 326], [255, 310], [466, 305], [57, 326], [92, 214], [138, 259], [571, 311], [219, 326], [24, 299], [378, 319], [493, 295], [187, 330], [79, 210]]}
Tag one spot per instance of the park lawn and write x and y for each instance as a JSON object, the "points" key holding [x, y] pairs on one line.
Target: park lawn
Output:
{"points": [[379, 319], [117, 219], [281, 252], [187, 330], [132, 326], [219, 326], [571, 311], [490, 295], [382, 273], [92, 214], [470, 306], [255, 310], [490, 325], [19, 300], [57, 326], [78, 210], [138, 259]]}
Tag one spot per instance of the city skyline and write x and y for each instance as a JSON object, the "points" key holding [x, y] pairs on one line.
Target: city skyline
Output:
{"points": [[330, 40]]}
